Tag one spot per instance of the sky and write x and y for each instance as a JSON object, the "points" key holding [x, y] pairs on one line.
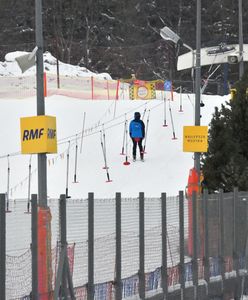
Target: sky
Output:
{"points": [[166, 166]]}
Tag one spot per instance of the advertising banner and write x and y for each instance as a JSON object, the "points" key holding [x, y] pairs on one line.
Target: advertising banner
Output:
{"points": [[38, 135], [195, 138]]}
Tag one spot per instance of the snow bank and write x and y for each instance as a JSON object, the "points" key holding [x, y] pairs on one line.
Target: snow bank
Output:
{"points": [[10, 67]]}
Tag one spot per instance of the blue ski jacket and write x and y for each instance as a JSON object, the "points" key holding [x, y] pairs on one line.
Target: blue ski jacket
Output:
{"points": [[137, 129]]}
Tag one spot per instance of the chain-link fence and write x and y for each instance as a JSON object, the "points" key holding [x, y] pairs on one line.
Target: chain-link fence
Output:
{"points": [[154, 240]]}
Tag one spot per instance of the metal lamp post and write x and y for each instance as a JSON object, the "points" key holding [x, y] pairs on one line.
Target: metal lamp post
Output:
{"points": [[167, 34], [40, 287], [198, 79], [241, 60], [42, 167]]}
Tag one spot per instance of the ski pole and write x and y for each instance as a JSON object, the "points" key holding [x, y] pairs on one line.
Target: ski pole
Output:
{"points": [[147, 123], [126, 162], [103, 144], [171, 91], [165, 125], [7, 194], [172, 123], [75, 169], [105, 150], [180, 108], [67, 171], [124, 136], [29, 183], [82, 133], [114, 108], [144, 114], [104, 158]]}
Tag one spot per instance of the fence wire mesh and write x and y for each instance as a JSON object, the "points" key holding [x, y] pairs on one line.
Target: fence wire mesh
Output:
{"points": [[227, 227], [88, 87]]}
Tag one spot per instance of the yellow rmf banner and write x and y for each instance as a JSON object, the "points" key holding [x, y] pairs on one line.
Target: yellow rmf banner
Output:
{"points": [[38, 135], [195, 138]]}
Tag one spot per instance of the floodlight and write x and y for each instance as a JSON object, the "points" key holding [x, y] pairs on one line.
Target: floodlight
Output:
{"points": [[167, 34]]}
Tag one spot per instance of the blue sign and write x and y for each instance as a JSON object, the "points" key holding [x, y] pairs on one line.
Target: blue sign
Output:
{"points": [[167, 85]]}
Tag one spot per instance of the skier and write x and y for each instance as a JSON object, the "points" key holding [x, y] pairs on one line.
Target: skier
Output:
{"points": [[137, 133]]}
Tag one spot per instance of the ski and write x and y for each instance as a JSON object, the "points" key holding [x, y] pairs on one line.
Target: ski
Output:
{"points": [[134, 160]]}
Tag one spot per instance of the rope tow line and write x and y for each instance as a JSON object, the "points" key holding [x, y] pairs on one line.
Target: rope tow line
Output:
{"points": [[72, 138]]}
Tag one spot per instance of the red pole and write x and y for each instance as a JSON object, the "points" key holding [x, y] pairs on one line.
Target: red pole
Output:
{"points": [[44, 254], [108, 89], [45, 84], [92, 88], [117, 90], [192, 187]]}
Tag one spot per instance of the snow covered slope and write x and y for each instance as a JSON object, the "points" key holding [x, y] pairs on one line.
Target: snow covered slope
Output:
{"points": [[165, 168]]}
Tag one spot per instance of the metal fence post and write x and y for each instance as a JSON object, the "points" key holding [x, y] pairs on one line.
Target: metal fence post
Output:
{"points": [[118, 283], [34, 247], [62, 213], [164, 283], [235, 254], [2, 247], [235, 241], [141, 247], [195, 247], [242, 288], [181, 233], [63, 278], [206, 239], [90, 286], [221, 245]]}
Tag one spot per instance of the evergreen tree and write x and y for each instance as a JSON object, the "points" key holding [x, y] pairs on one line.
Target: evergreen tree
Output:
{"points": [[225, 165]]}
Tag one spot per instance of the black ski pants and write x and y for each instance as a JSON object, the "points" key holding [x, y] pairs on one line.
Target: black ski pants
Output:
{"points": [[139, 142]]}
